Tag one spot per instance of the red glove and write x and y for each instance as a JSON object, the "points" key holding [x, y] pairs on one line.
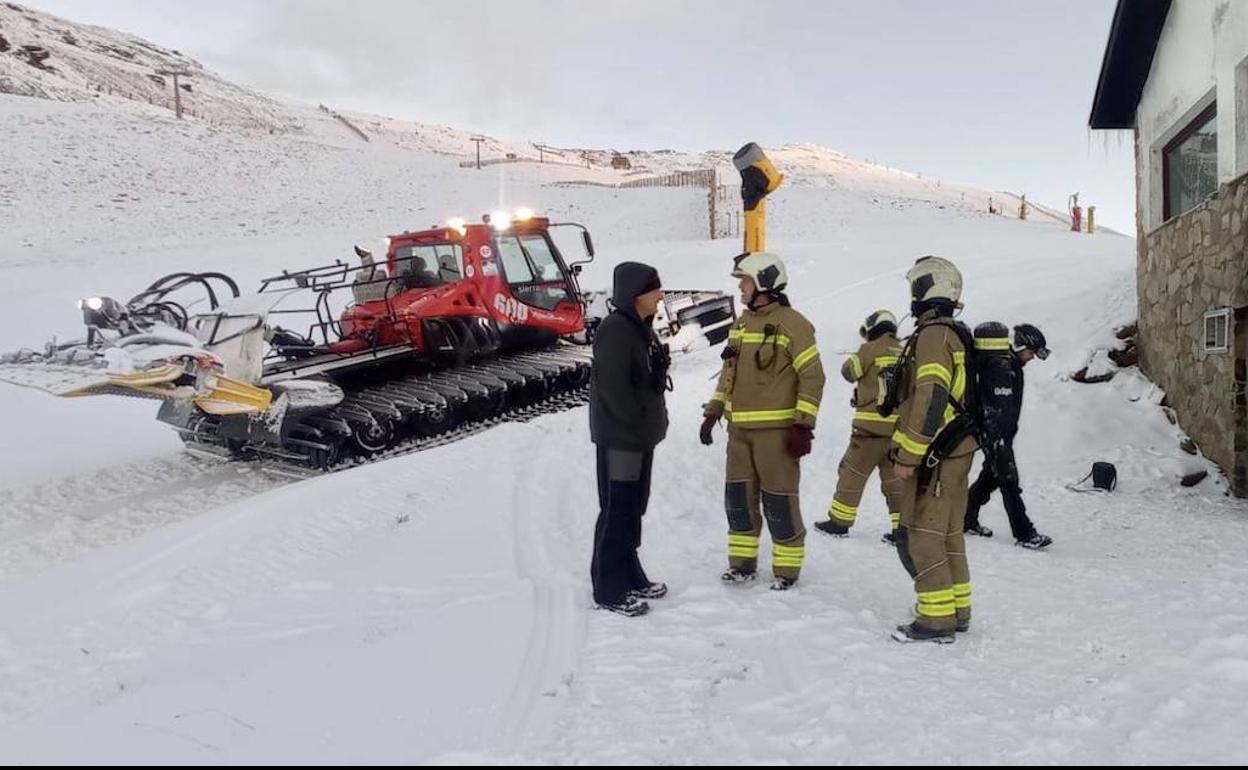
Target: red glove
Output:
{"points": [[798, 440], [708, 425]]}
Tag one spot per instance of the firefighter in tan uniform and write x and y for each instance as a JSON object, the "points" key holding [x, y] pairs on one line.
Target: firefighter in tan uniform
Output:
{"points": [[769, 391], [933, 447], [869, 370]]}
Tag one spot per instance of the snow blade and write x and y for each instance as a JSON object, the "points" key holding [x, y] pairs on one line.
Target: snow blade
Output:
{"points": [[226, 395]]}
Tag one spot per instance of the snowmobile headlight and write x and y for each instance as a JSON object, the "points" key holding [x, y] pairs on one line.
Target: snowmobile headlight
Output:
{"points": [[500, 220], [524, 214], [91, 303], [458, 224]]}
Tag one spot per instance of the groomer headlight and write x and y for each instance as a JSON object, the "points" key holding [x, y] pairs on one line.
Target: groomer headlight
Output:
{"points": [[102, 312]]}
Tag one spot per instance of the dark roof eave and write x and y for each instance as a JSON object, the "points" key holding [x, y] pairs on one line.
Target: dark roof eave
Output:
{"points": [[1128, 58]]}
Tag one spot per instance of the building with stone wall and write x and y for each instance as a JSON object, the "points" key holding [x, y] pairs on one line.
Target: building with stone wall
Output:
{"points": [[1176, 74]]}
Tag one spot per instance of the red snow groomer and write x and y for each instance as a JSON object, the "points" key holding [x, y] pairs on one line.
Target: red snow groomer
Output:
{"points": [[461, 325], [463, 290]]}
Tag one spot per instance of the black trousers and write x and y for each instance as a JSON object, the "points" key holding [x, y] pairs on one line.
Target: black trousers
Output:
{"points": [[623, 493], [1000, 472]]}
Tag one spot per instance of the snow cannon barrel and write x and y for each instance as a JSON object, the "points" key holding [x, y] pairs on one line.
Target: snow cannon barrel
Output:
{"points": [[759, 178]]}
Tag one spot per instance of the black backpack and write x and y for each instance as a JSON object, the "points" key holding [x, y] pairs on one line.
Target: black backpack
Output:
{"points": [[968, 412]]}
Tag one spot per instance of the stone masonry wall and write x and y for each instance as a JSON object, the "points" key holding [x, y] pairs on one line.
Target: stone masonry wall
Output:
{"points": [[1192, 264]]}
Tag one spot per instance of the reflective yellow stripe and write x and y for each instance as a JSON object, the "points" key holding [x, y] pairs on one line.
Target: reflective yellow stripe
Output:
{"points": [[765, 416], [855, 365], [842, 512], [959, 376], [805, 357], [894, 519], [909, 444], [743, 546], [787, 555], [874, 417], [992, 343], [962, 595], [718, 396], [936, 604], [758, 338], [883, 362], [807, 407], [934, 370]]}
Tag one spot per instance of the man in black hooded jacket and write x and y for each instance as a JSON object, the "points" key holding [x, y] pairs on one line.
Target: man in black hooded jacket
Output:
{"points": [[1000, 358], [627, 419]]}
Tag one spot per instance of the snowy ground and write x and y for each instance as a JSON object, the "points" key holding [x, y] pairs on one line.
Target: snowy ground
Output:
{"points": [[155, 607]]}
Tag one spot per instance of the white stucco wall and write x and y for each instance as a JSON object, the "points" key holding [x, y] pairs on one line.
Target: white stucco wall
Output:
{"points": [[1202, 55]]}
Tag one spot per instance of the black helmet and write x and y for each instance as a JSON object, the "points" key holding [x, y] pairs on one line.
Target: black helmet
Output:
{"points": [[1028, 337]]}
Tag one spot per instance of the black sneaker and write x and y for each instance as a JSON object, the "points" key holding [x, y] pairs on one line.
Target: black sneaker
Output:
{"points": [[629, 606], [1036, 542], [978, 529], [890, 538], [829, 527], [735, 575], [651, 591], [914, 632], [783, 584]]}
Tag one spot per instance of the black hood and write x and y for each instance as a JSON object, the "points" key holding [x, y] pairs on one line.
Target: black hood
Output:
{"points": [[631, 280]]}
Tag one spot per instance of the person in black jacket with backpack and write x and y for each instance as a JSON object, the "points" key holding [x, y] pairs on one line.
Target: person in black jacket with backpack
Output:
{"points": [[627, 419], [1000, 358]]}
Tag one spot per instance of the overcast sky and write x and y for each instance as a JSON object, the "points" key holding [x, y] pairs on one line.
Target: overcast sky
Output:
{"points": [[986, 92]]}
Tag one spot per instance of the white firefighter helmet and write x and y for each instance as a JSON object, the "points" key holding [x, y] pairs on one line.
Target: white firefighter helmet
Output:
{"points": [[935, 278], [765, 268], [876, 320]]}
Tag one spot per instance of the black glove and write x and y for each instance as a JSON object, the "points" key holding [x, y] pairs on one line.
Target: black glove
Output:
{"points": [[798, 440], [660, 363], [708, 425]]}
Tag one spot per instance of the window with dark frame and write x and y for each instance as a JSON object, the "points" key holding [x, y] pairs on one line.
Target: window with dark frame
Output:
{"points": [[1190, 164], [425, 266], [530, 268]]}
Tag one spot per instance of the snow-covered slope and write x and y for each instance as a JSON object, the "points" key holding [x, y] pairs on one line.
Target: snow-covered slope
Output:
{"points": [[53, 58], [156, 607], [172, 610]]}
